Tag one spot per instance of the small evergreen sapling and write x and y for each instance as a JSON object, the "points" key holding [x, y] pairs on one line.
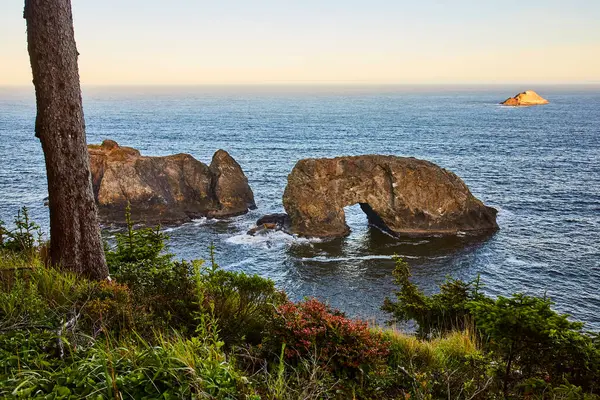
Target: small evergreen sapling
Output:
{"points": [[435, 315]]}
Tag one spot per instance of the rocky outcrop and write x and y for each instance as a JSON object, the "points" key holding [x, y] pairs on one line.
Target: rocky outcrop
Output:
{"points": [[271, 222], [168, 190], [402, 196], [527, 98], [230, 186]]}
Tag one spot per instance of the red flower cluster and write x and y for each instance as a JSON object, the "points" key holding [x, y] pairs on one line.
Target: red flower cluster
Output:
{"points": [[312, 329]]}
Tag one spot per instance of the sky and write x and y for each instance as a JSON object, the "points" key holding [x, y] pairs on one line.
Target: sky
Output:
{"points": [[181, 42]]}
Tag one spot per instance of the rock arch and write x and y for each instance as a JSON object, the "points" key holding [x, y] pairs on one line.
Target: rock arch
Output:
{"points": [[404, 196]]}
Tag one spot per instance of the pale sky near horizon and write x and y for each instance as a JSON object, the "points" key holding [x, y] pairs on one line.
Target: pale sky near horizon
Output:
{"points": [[309, 41]]}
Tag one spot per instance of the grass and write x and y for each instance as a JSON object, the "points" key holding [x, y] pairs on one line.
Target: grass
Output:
{"points": [[50, 347], [65, 337], [440, 351]]}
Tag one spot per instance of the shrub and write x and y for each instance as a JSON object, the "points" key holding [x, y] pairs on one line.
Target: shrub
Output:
{"points": [[437, 314], [525, 338], [241, 303], [24, 237], [108, 308], [306, 380], [163, 291], [136, 245], [177, 294], [343, 346], [529, 336]]}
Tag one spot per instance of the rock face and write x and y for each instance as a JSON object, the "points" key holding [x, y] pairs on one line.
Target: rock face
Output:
{"points": [[271, 222], [403, 196], [527, 98], [168, 190]]}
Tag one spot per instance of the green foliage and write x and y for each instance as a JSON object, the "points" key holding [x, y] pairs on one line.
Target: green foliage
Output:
{"points": [[176, 294], [108, 308], [163, 292], [172, 368], [243, 304], [136, 245], [346, 347], [24, 237], [307, 380], [33, 295], [535, 340], [437, 314], [524, 337], [56, 341], [174, 329], [539, 389], [445, 367], [20, 350], [21, 305]]}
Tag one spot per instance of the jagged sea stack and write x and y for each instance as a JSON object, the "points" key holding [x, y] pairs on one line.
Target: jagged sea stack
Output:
{"points": [[403, 196], [168, 190]]}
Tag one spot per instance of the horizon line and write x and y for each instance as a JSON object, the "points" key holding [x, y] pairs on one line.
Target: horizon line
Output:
{"points": [[332, 83]]}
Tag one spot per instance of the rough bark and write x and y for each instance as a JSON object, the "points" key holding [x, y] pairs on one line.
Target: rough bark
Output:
{"points": [[76, 244]]}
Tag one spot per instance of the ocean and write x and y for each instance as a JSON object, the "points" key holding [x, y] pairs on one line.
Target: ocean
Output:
{"points": [[539, 166]]}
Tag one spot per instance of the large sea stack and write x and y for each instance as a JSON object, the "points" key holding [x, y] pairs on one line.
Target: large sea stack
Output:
{"points": [[527, 98], [403, 196], [168, 190]]}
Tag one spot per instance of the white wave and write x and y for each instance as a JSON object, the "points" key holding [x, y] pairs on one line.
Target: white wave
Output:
{"points": [[241, 263], [270, 239], [383, 231], [522, 263], [324, 259], [416, 243], [204, 221], [407, 243]]}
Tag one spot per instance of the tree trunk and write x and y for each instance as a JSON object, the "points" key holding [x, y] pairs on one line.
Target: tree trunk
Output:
{"points": [[507, 371], [75, 242]]}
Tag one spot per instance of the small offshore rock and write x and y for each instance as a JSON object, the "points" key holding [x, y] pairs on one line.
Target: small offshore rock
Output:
{"points": [[281, 219], [526, 98], [264, 228], [271, 222]]}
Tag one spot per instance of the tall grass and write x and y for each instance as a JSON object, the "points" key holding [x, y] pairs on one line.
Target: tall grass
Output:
{"points": [[47, 349], [65, 337]]}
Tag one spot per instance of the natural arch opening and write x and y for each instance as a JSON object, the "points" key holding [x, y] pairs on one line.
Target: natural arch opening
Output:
{"points": [[374, 219], [411, 197], [354, 218]]}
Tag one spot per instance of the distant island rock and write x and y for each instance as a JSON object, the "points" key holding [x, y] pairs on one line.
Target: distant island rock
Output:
{"points": [[402, 196], [168, 190], [526, 98]]}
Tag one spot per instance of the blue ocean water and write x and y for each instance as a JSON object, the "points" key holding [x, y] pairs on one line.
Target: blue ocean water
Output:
{"points": [[539, 166]]}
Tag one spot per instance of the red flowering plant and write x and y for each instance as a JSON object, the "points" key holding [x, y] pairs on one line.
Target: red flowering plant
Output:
{"points": [[311, 329]]}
